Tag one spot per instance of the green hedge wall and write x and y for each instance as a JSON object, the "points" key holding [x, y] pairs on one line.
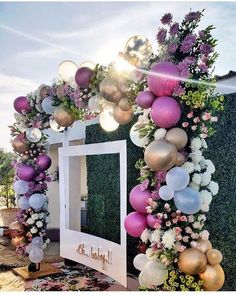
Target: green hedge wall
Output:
{"points": [[221, 219]]}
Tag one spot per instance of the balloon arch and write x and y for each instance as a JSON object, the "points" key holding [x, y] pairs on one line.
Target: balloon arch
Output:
{"points": [[173, 93]]}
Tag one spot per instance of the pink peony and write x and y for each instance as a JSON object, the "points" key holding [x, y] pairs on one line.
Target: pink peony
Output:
{"points": [[196, 120], [185, 124], [204, 235], [190, 115], [206, 116]]}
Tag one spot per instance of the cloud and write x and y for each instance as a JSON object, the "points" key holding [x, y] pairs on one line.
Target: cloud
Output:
{"points": [[47, 52]]}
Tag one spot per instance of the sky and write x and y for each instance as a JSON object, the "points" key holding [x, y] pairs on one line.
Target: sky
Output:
{"points": [[36, 36]]}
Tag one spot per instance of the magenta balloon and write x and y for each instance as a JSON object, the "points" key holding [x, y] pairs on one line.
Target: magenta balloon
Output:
{"points": [[151, 220], [83, 77], [22, 104], [43, 162], [165, 112], [135, 223], [163, 85], [138, 199], [26, 172], [145, 99]]}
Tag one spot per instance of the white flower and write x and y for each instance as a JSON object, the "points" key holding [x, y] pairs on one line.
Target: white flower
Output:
{"points": [[34, 216], [204, 144], [210, 167], [205, 207], [155, 236], [206, 178], [196, 144], [201, 217], [144, 236], [44, 246], [48, 241], [160, 133], [188, 166], [197, 224], [39, 223], [33, 230], [206, 196], [213, 187], [203, 162], [193, 185], [143, 119], [30, 221], [197, 167], [204, 235], [168, 238], [196, 156], [41, 215], [151, 254], [196, 178]]}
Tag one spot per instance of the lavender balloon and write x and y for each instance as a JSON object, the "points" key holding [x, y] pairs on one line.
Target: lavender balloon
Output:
{"points": [[165, 112], [22, 104], [26, 172], [135, 223], [145, 99], [188, 201], [83, 77], [43, 162], [152, 220], [138, 199], [165, 80]]}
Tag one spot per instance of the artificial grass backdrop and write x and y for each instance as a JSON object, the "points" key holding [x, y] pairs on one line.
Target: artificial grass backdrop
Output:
{"points": [[221, 219]]}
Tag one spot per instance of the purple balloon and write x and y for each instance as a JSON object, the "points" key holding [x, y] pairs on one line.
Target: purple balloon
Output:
{"points": [[26, 172], [163, 85], [83, 77], [43, 162], [145, 99], [135, 223], [165, 112], [138, 199], [151, 220], [22, 104]]}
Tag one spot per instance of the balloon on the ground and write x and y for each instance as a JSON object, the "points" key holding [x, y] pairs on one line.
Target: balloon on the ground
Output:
{"points": [[36, 200], [23, 203], [26, 172], [214, 256], [63, 116], [37, 241], [21, 187], [43, 162], [107, 121], [83, 77], [67, 70], [145, 99], [135, 223], [21, 104], [165, 112], [152, 220], [33, 134], [160, 155], [154, 273], [178, 137], [139, 261], [213, 277], [163, 78], [166, 193], [192, 261], [188, 201], [138, 199], [47, 105], [177, 178], [134, 136], [122, 117], [36, 255]]}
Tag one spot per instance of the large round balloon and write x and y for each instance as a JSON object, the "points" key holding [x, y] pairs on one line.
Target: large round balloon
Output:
{"points": [[160, 155], [36, 255], [165, 112], [177, 178], [55, 127], [26, 172], [110, 91], [138, 199], [107, 121], [67, 70], [36, 201], [204, 245], [145, 99], [33, 134], [178, 137], [83, 77], [21, 187], [163, 78], [47, 105], [94, 104], [16, 241], [166, 193], [63, 116], [16, 225], [135, 223], [192, 261], [188, 201], [37, 241], [154, 273], [214, 256], [43, 162], [122, 117], [124, 104], [134, 136], [20, 145], [21, 104], [139, 261], [213, 277], [23, 203]]}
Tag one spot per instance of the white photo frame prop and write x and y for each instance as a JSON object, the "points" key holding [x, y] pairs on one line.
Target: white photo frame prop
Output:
{"points": [[100, 254]]}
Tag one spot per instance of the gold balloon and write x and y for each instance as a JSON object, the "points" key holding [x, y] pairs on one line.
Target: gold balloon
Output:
{"points": [[16, 241], [20, 146], [124, 104], [160, 155], [178, 137], [213, 277], [63, 116], [122, 117], [16, 225], [180, 159], [110, 90], [43, 92], [204, 245], [60, 92], [192, 261], [214, 256]]}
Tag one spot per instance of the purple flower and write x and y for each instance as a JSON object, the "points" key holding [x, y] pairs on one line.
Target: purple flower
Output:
{"points": [[161, 36], [155, 195], [66, 89], [53, 91], [206, 49], [188, 43], [192, 15], [144, 185], [79, 103], [203, 67], [166, 19], [174, 29], [183, 68], [179, 90], [172, 47], [189, 60], [201, 34]]}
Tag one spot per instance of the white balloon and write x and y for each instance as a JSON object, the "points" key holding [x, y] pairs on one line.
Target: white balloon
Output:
{"points": [[94, 104], [107, 121], [47, 105], [37, 241], [36, 201], [21, 187], [177, 178], [28, 248], [140, 261], [55, 126], [166, 193], [141, 281], [67, 70], [134, 136], [88, 64], [23, 203], [33, 134], [36, 255], [154, 273]]}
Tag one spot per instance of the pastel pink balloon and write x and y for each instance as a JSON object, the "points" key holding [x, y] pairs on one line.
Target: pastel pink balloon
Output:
{"points": [[163, 85], [43, 162], [26, 172], [165, 112], [145, 99], [138, 199], [21, 103], [83, 77], [151, 220], [135, 223]]}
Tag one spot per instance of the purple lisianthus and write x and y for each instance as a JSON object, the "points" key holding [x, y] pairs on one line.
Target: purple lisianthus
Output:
{"points": [[179, 90], [206, 49], [79, 103], [183, 68], [188, 43], [66, 89], [144, 185], [189, 60], [174, 29], [166, 19], [161, 36], [201, 34], [203, 67], [192, 15], [172, 47]]}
